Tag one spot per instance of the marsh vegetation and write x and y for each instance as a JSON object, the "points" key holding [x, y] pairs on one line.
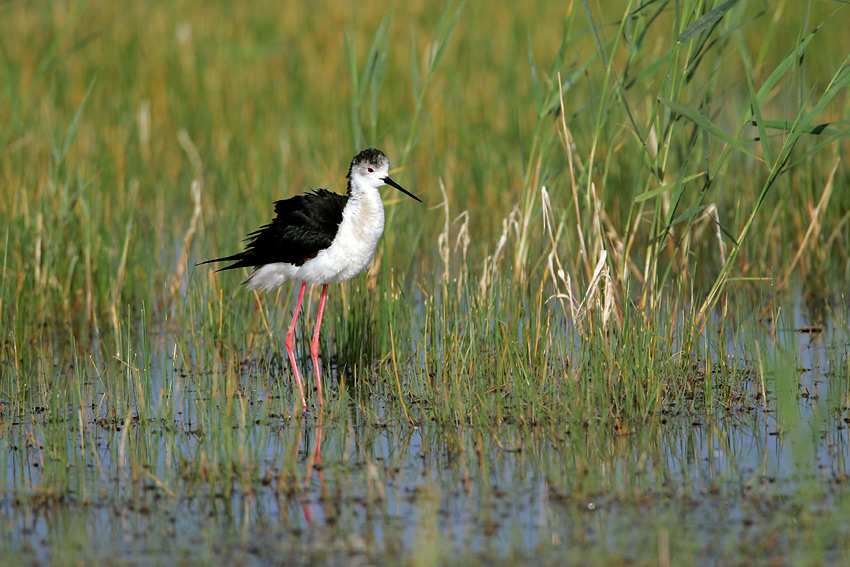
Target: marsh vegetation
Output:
{"points": [[615, 333]]}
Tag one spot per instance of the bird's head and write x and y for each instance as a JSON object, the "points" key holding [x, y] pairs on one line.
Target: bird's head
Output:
{"points": [[371, 168]]}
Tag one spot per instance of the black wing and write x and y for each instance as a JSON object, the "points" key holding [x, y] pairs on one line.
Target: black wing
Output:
{"points": [[304, 226]]}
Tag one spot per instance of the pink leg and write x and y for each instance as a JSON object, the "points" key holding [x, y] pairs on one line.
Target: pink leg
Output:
{"points": [[290, 340], [314, 347]]}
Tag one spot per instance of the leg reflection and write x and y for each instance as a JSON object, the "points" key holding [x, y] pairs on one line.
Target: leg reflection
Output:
{"points": [[314, 463]]}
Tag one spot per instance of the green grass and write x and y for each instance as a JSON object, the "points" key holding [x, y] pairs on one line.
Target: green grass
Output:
{"points": [[622, 203]]}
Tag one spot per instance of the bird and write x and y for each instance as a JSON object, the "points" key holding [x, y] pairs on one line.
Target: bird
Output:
{"points": [[318, 238]]}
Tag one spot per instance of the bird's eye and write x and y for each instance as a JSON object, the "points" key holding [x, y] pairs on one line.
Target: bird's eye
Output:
{"points": [[370, 170]]}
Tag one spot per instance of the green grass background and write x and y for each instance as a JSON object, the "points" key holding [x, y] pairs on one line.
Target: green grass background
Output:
{"points": [[693, 159]]}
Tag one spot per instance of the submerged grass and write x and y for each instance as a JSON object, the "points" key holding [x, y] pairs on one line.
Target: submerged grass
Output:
{"points": [[623, 201]]}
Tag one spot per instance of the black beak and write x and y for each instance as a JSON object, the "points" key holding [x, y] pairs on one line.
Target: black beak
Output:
{"points": [[392, 183]]}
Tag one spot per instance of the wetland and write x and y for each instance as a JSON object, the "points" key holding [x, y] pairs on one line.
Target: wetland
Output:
{"points": [[616, 333]]}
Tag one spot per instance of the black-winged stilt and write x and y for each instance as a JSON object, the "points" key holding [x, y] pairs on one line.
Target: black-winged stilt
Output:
{"points": [[319, 238]]}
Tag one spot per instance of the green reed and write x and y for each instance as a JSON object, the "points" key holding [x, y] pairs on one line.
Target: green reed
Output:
{"points": [[618, 201]]}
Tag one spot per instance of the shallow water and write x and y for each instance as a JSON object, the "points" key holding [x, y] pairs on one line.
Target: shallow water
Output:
{"points": [[347, 487], [399, 494]]}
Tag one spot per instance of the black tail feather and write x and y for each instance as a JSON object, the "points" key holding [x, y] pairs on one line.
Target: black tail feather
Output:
{"points": [[242, 259]]}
